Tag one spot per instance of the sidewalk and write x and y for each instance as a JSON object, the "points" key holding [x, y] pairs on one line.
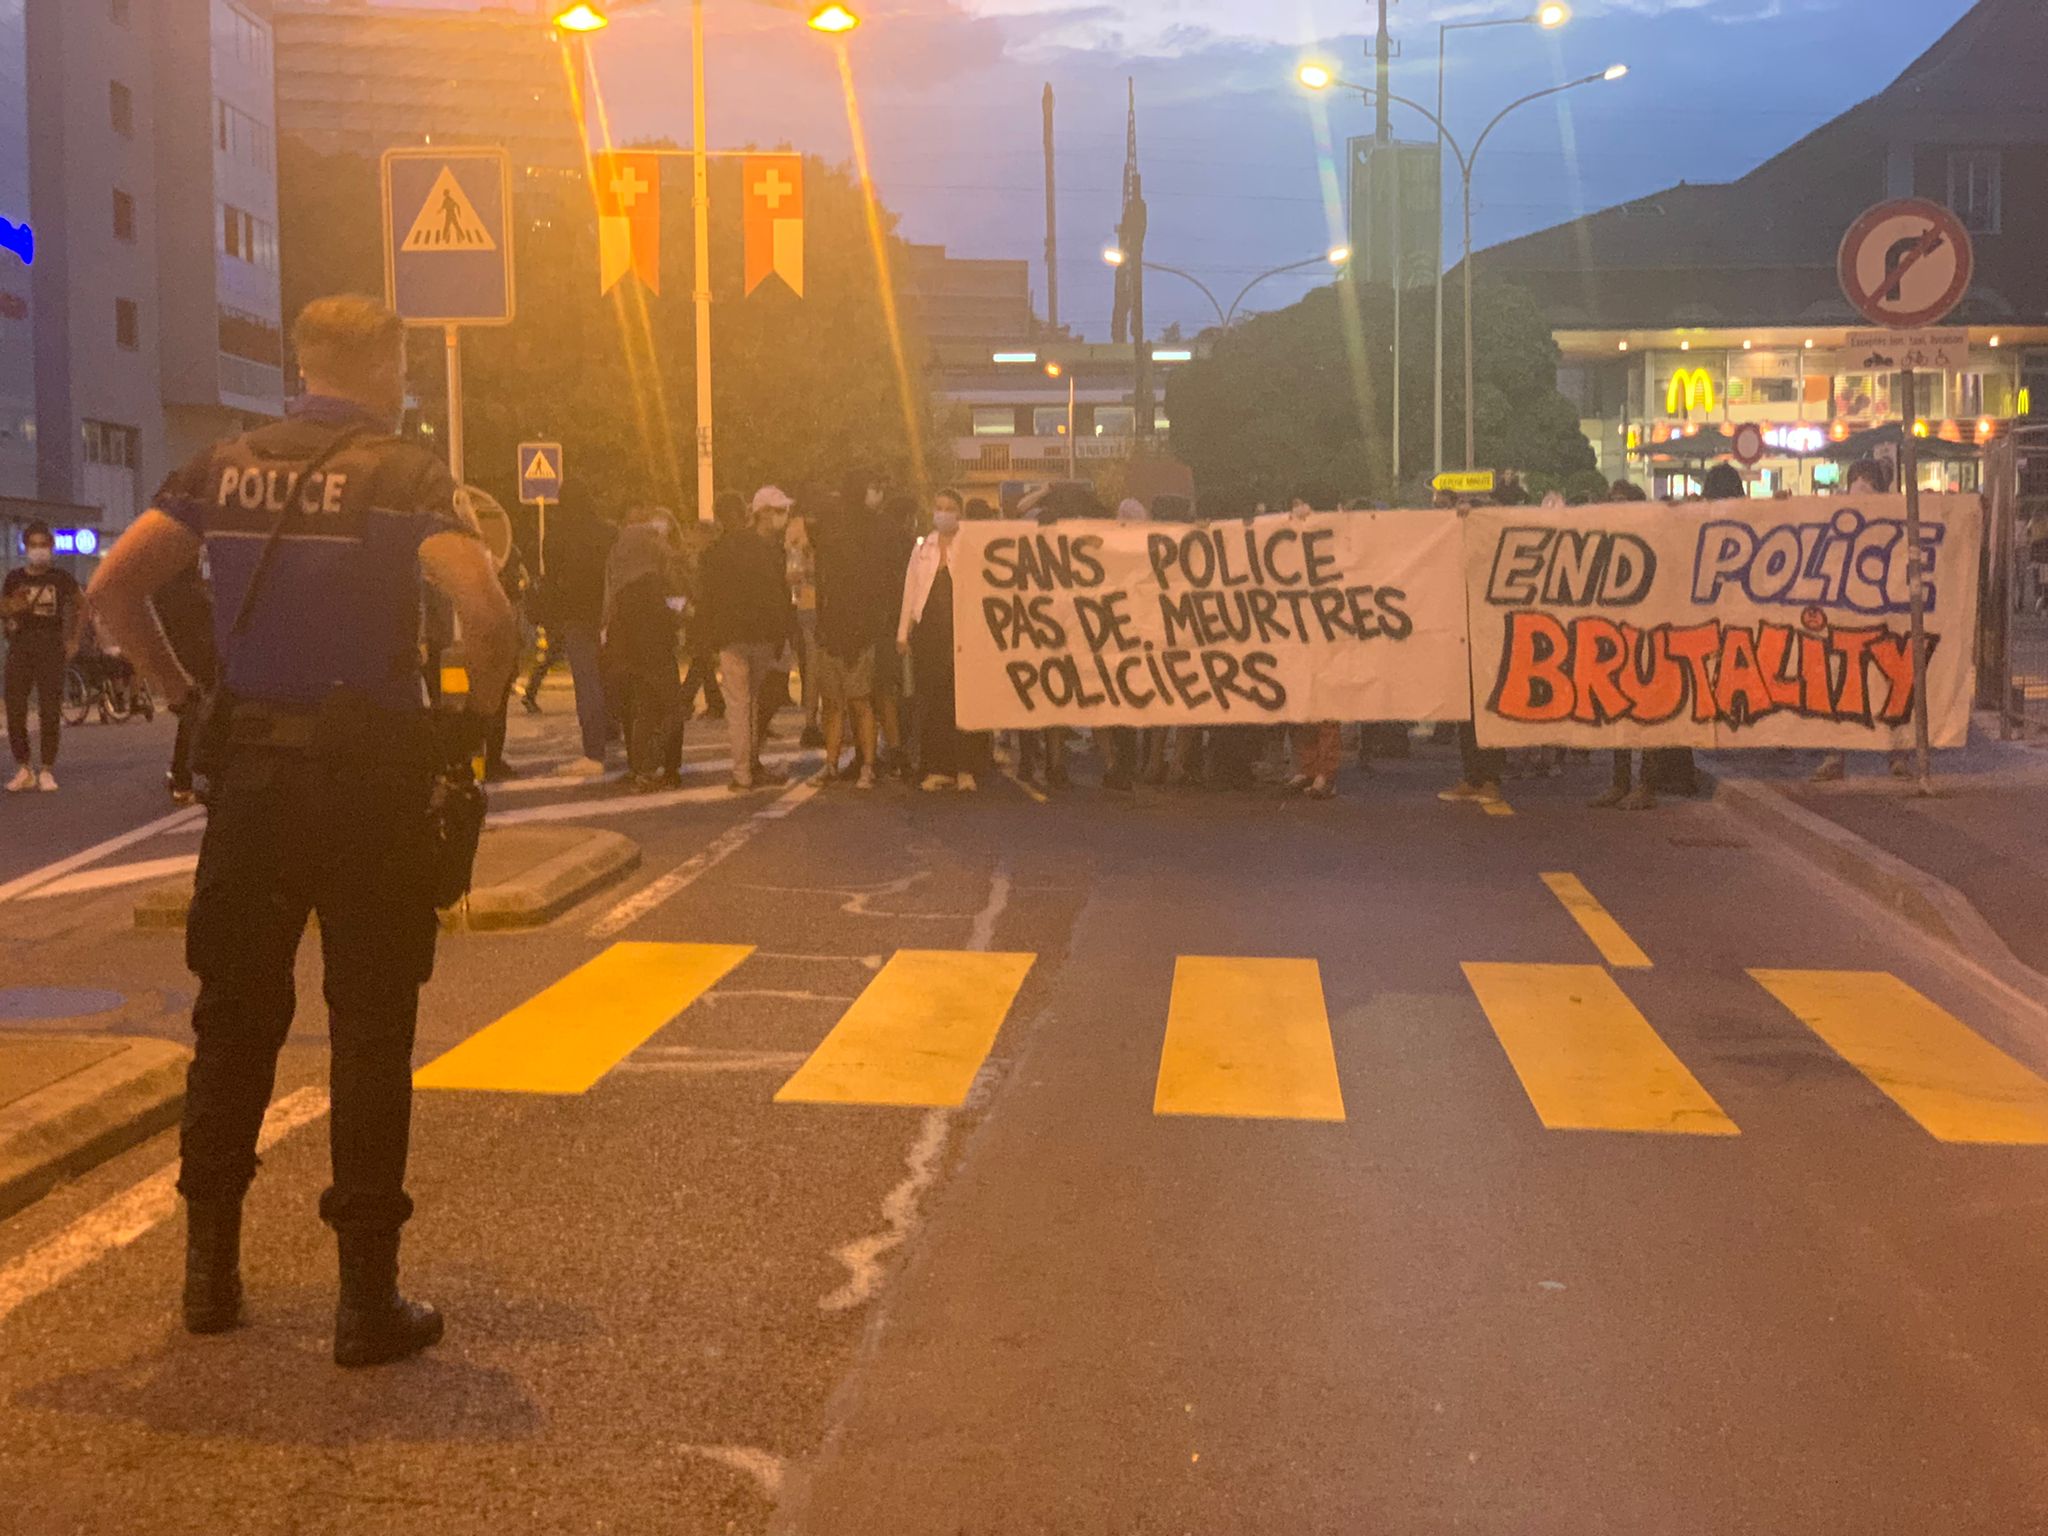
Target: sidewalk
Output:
{"points": [[1983, 834]]}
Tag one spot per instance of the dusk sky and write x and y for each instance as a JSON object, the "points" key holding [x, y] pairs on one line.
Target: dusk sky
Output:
{"points": [[1234, 156]]}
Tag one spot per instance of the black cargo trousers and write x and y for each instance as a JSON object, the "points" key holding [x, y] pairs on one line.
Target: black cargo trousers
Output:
{"points": [[344, 836]]}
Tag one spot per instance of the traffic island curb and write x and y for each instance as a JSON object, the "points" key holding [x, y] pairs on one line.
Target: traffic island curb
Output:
{"points": [[1929, 903], [95, 1095], [586, 859], [525, 876]]}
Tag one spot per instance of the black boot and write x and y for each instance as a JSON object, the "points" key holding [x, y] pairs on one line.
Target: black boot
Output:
{"points": [[373, 1324], [213, 1265]]}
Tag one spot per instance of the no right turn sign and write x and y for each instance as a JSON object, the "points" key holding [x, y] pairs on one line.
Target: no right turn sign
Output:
{"points": [[1906, 263]]}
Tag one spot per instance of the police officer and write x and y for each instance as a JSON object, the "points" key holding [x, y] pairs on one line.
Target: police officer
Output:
{"points": [[317, 530]]}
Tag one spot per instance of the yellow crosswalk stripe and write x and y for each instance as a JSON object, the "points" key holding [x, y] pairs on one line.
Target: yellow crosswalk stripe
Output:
{"points": [[917, 1034], [1587, 1057], [1955, 1083], [1608, 936], [1248, 1039], [566, 1038]]}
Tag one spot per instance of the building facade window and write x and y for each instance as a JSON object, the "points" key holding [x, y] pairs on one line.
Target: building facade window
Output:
{"points": [[1116, 421], [251, 338], [127, 324], [241, 36], [242, 137], [111, 444], [248, 238], [1976, 189], [1048, 421], [121, 108], [124, 216], [995, 421]]}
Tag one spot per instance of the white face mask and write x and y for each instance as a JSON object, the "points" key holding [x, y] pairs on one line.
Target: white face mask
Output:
{"points": [[945, 522], [39, 556]]}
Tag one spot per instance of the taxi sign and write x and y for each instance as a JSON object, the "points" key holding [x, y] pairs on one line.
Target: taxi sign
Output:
{"points": [[540, 473], [447, 235], [1470, 482], [1906, 263]]}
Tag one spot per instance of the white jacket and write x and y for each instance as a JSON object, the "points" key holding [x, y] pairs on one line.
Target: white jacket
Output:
{"points": [[917, 580]]}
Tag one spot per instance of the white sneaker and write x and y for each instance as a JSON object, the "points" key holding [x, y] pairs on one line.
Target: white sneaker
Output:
{"points": [[934, 781], [965, 784], [24, 778], [866, 779], [584, 768], [46, 781]]}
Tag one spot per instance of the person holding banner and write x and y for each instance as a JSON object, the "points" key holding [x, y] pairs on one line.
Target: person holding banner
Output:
{"points": [[1866, 477], [924, 633]]}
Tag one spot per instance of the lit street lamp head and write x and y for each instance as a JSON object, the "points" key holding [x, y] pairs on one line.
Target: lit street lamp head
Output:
{"points": [[1615, 72], [1053, 370], [1113, 256], [1339, 255], [1552, 16], [833, 18], [1317, 77], [582, 18]]}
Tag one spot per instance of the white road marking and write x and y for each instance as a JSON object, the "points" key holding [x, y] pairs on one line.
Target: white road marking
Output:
{"points": [[121, 1220], [28, 882], [110, 875], [699, 768], [863, 1256], [764, 1467], [701, 1058], [694, 868], [617, 804]]}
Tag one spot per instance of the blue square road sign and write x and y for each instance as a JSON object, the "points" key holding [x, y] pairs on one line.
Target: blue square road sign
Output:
{"points": [[448, 236], [540, 472]]}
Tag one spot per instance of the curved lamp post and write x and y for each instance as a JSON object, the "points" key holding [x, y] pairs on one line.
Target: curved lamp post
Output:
{"points": [[1319, 77], [1335, 257]]}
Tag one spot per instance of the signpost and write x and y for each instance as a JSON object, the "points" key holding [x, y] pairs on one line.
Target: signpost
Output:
{"points": [[540, 482], [1465, 482], [1749, 444], [448, 251], [1905, 265]]}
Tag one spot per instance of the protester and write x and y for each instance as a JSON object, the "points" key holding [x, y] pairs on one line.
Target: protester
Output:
{"points": [[42, 610], [1626, 791], [924, 632], [641, 599], [896, 535], [1866, 477], [748, 616], [702, 676], [515, 584], [858, 592], [574, 554], [800, 564]]}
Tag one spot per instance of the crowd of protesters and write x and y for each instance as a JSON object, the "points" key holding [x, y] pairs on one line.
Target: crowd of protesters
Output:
{"points": [[850, 591]]}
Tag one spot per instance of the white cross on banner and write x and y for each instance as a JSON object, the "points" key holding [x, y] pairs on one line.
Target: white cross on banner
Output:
{"points": [[774, 219]]}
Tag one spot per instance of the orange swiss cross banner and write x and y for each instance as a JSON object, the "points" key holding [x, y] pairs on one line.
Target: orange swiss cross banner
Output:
{"points": [[775, 219], [627, 188]]}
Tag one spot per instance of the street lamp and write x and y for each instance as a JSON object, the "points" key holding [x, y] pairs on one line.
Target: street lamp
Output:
{"points": [[1466, 163], [1054, 371], [587, 16], [1336, 256]]}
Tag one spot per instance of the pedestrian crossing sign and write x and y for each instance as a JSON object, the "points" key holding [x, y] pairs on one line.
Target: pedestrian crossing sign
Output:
{"points": [[540, 472], [448, 220], [447, 235]]}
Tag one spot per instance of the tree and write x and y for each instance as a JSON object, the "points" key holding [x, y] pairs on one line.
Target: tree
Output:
{"points": [[1299, 401], [805, 389]]}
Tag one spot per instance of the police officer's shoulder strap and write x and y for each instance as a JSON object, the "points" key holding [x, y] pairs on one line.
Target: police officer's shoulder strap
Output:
{"points": [[319, 461]]}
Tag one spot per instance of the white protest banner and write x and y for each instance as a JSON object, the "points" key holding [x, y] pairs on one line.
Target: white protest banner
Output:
{"points": [[1719, 624], [1340, 616]]}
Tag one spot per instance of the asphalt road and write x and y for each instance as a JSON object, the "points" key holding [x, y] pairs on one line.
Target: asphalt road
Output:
{"points": [[1361, 1243]]}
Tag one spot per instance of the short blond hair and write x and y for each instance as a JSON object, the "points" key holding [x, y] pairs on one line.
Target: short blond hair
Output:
{"points": [[348, 339]]}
